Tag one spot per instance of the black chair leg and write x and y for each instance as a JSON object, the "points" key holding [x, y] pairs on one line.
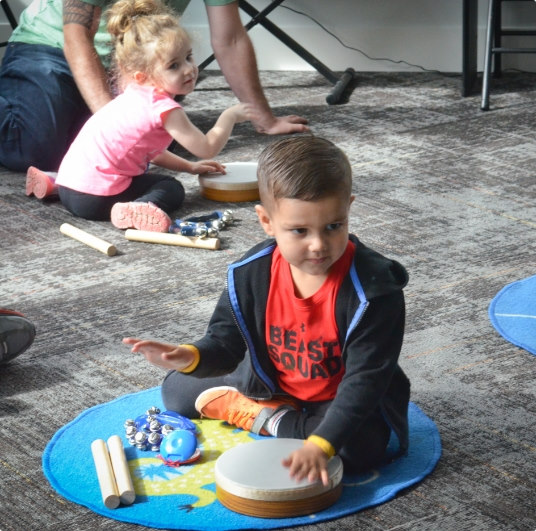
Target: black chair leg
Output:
{"points": [[488, 55], [497, 38], [10, 17], [343, 84], [9, 14]]}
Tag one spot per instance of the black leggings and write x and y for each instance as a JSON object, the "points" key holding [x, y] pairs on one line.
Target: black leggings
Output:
{"points": [[363, 450], [164, 191]]}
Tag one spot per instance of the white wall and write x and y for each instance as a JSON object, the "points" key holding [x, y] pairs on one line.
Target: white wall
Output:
{"points": [[422, 32]]}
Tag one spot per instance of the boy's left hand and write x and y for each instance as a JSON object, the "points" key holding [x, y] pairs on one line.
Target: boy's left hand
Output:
{"points": [[309, 462]]}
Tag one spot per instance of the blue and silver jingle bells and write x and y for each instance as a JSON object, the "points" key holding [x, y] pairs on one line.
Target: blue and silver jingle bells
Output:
{"points": [[205, 226], [168, 432]]}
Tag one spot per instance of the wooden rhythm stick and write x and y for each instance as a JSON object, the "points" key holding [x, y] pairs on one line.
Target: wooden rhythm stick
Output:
{"points": [[125, 488], [251, 480], [168, 238], [237, 185], [88, 239], [105, 474]]}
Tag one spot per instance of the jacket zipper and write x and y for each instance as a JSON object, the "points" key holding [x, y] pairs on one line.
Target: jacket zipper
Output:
{"points": [[267, 387]]}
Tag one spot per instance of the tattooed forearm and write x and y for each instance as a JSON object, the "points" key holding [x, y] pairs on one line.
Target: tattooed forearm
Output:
{"points": [[77, 12]]}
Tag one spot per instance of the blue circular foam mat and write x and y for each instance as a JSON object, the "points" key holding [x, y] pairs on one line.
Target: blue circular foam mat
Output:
{"points": [[513, 313], [184, 497]]}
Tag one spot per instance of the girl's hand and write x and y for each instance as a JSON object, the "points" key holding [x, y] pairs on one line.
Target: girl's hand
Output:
{"points": [[207, 166], [162, 355], [310, 462], [243, 112]]}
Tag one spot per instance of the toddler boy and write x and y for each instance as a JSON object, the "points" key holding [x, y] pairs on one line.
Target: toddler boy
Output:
{"points": [[304, 341]]}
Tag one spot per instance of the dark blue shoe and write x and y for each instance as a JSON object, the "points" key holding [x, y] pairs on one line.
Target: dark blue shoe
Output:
{"points": [[16, 334]]}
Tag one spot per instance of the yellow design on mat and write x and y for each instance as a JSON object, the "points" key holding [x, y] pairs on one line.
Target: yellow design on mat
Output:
{"points": [[152, 478]]}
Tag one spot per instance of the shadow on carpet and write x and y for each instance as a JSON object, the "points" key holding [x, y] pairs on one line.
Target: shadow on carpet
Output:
{"points": [[184, 497]]}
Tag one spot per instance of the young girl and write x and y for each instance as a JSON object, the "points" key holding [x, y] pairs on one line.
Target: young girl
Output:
{"points": [[104, 173]]}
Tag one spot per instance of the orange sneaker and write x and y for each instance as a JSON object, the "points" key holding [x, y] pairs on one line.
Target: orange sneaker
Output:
{"points": [[40, 183], [227, 403], [141, 216]]}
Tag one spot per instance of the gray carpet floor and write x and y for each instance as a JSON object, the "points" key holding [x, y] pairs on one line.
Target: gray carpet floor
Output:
{"points": [[441, 186]]}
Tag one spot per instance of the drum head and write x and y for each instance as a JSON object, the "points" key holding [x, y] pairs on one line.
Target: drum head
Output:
{"points": [[250, 479], [237, 185]]}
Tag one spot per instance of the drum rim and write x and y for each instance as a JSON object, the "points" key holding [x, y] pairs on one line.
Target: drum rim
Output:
{"points": [[279, 509]]}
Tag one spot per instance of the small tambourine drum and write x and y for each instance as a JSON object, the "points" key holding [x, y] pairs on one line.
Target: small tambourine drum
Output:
{"points": [[239, 184], [251, 480]]}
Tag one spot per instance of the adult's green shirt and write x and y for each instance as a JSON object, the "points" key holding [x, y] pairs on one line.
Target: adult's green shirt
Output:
{"points": [[42, 23]]}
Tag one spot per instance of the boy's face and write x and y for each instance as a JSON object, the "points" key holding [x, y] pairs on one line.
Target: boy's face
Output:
{"points": [[311, 235]]}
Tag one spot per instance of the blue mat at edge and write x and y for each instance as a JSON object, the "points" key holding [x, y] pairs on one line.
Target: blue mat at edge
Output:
{"points": [[513, 313], [68, 466]]}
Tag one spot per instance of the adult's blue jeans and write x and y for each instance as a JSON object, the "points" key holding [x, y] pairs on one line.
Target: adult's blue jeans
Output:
{"points": [[41, 109]]}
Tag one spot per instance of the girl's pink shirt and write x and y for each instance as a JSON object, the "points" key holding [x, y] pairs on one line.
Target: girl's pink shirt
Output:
{"points": [[117, 142]]}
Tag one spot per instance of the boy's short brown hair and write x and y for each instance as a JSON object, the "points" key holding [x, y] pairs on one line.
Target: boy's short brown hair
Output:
{"points": [[305, 167]]}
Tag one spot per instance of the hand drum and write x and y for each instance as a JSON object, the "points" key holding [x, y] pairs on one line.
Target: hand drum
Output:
{"points": [[239, 184], [251, 480]]}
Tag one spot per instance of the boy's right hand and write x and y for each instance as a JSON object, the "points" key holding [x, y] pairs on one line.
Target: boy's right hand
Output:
{"points": [[162, 355], [309, 462]]}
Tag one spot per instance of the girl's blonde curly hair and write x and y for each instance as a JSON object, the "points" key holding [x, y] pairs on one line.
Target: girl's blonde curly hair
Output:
{"points": [[142, 32]]}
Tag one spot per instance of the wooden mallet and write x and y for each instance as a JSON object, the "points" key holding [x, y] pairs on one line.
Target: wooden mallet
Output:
{"points": [[125, 488], [105, 474], [90, 240], [112, 472], [168, 238]]}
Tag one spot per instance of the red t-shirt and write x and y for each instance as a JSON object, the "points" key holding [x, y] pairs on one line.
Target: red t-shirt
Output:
{"points": [[302, 335]]}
